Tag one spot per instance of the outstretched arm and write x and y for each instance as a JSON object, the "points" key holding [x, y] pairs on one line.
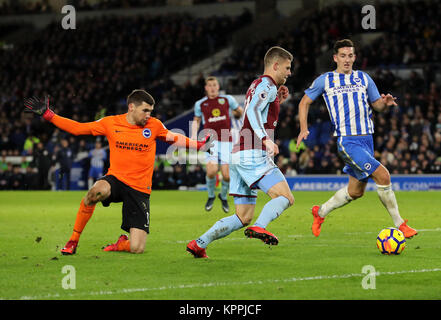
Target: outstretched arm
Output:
{"points": [[303, 118], [181, 141], [43, 108], [384, 102]]}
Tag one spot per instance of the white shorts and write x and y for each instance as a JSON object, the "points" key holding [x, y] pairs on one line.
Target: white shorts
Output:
{"points": [[247, 168], [220, 152]]}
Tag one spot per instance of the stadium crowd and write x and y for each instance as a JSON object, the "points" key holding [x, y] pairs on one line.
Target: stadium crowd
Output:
{"points": [[9, 7], [89, 74]]}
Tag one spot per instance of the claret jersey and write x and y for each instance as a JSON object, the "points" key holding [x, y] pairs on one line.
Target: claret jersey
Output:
{"points": [[261, 113], [215, 114]]}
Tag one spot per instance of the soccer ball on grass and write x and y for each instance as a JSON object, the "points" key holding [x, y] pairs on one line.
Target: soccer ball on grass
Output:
{"points": [[391, 241]]}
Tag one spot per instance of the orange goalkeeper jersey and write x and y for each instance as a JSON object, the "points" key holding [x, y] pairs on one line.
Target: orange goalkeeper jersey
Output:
{"points": [[132, 148]]}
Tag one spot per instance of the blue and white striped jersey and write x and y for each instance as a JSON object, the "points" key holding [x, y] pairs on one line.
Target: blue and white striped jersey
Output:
{"points": [[98, 156], [347, 97]]}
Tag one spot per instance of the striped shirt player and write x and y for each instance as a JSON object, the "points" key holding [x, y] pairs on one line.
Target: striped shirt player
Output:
{"points": [[350, 96], [214, 111], [252, 167]]}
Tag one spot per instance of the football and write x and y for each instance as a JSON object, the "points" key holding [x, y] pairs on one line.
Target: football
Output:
{"points": [[391, 241]]}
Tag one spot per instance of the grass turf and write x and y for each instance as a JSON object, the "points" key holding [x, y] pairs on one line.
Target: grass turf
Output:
{"points": [[34, 226]]}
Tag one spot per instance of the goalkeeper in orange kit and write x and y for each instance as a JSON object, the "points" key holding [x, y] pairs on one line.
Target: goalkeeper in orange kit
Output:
{"points": [[132, 143]]}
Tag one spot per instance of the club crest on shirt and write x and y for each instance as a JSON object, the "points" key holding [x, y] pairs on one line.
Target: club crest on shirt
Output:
{"points": [[216, 112], [221, 100], [357, 80], [367, 166], [146, 133]]}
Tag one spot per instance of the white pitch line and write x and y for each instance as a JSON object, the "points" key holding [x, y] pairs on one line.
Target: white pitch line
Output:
{"points": [[221, 284]]}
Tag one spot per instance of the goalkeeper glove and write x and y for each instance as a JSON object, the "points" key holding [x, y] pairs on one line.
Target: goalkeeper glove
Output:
{"points": [[39, 107]]}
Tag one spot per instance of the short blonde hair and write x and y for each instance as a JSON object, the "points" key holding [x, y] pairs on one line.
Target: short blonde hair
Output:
{"points": [[276, 53], [211, 78]]}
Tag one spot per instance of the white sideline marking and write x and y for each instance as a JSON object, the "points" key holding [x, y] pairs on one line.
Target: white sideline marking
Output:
{"points": [[219, 284], [222, 284]]}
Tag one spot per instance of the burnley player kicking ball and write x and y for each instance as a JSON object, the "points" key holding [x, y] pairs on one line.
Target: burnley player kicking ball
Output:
{"points": [[252, 166]]}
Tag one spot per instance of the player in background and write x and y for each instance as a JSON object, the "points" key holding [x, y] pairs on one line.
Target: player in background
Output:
{"points": [[132, 143], [350, 95], [98, 156], [252, 166], [214, 112]]}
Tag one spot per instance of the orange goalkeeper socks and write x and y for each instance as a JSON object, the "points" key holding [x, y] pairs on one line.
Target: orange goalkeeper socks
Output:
{"points": [[83, 216]]}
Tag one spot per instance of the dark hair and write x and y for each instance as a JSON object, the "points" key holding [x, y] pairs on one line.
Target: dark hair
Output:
{"points": [[276, 53], [138, 96], [342, 44]]}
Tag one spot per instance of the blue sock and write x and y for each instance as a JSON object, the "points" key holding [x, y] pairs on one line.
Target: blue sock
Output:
{"points": [[211, 185], [271, 211], [225, 189], [220, 229]]}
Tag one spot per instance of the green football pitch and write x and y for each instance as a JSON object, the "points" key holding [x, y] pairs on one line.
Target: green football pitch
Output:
{"points": [[343, 263]]}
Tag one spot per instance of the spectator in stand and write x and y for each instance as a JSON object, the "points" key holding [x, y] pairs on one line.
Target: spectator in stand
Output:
{"points": [[3, 162], [16, 179], [65, 159], [179, 177], [197, 176], [29, 143], [42, 162], [101, 76], [160, 178], [97, 157]]}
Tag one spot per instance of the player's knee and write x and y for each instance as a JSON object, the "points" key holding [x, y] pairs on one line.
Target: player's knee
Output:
{"points": [[93, 196], [355, 194], [385, 179], [381, 176], [211, 175], [97, 193]]}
